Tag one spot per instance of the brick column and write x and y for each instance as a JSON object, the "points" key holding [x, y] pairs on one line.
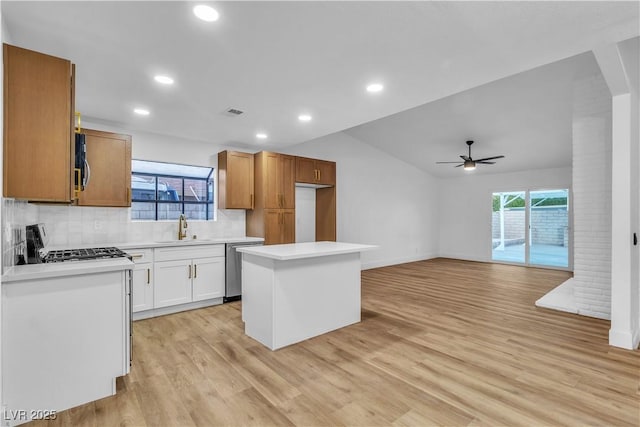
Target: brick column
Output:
{"points": [[592, 196]]}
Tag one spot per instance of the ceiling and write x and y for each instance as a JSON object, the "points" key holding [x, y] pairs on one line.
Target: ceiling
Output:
{"points": [[276, 60], [525, 117]]}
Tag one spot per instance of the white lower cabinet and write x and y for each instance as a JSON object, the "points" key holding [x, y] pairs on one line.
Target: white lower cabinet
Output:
{"points": [[142, 279], [172, 284], [184, 275], [208, 278], [65, 339]]}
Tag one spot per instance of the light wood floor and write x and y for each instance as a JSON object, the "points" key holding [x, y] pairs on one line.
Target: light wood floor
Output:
{"points": [[441, 342]]}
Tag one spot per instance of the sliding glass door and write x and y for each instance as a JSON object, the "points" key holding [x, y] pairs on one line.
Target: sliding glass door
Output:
{"points": [[509, 227], [549, 228], [531, 227]]}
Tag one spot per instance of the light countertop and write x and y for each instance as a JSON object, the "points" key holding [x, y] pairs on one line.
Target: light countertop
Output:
{"points": [[21, 273], [187, 242], [163, 243], [48, 270], [305, 250]]}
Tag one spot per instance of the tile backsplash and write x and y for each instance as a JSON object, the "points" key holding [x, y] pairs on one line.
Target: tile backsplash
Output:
{"points": [[16, 214], [70, 226]]}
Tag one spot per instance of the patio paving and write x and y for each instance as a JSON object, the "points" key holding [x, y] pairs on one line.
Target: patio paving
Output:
{"points": [[547, 255]]}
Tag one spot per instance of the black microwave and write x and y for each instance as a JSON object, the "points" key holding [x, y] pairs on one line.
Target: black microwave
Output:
{"points": [[81, 164]]}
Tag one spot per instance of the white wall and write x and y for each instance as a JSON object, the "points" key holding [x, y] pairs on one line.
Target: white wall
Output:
{"points": [[620, 65], [380, 200], [305, 214], [630, 52], [465, 206]]}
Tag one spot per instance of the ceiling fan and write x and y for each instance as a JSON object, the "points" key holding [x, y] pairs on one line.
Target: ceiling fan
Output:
{"points": [[469, 164]]}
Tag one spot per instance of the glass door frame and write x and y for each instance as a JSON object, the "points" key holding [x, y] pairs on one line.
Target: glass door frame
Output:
{"points": [[527, 243]]}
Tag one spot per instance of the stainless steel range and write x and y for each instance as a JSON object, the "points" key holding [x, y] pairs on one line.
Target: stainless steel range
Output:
{"points": [[84, 254]]}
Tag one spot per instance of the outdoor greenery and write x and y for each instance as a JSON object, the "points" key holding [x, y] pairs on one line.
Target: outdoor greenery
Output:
{"points": [[518, 202]]}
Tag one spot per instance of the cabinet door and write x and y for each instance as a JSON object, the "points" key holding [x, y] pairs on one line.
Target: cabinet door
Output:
{"points": [[109, 159], [142, 287], [172, 284], [208, 278], [272, 226], [326, 172], [286, 181], [235, 180], [272, 194], [38, 126], [305, 170], [288, 226]]}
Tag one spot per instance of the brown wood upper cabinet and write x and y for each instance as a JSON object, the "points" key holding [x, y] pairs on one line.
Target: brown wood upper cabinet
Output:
{"points": [[235, 180], [275, 174], [39, 146], [314, 171], [109, 176]]}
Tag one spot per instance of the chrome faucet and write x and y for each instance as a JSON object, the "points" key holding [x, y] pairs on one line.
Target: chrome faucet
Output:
{"points": [[182, 227]]}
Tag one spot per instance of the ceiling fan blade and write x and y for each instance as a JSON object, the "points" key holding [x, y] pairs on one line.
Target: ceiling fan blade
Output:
{"points": [[465, 158], [490, 158], [449, 162], [485, 163], [460, 165]]}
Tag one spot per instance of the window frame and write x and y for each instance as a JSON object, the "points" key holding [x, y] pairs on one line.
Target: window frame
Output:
{"points": [[209, 203]]}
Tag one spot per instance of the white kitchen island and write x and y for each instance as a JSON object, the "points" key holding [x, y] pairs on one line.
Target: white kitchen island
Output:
{"points": [[297, 291]]}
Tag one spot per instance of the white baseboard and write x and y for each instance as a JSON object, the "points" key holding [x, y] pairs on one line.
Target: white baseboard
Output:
{"points": [[463, 257], [402, 260], [624, 339]]}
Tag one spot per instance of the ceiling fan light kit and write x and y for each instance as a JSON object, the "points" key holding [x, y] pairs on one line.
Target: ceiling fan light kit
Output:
{"points": [[469, 164]]}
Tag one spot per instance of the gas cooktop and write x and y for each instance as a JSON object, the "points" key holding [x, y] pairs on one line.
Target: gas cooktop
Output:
{"points": [[84, 254]]}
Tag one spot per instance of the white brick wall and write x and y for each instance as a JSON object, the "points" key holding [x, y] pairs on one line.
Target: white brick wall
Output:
{"points": [[592, 196]]}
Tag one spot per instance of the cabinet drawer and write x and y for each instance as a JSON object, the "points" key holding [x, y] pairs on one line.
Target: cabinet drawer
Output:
{"points": [[188, 252], [141, 255]]}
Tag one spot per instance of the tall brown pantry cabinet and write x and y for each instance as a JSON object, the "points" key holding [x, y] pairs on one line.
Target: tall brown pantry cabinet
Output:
{"points": [[273, 215], [38, 126]]}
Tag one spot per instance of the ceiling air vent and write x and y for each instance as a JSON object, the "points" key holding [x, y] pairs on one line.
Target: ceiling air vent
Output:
{"points": [[233, 112]]}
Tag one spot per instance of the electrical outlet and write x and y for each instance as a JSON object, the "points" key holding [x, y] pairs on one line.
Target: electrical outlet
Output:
{"points": [[97, 225]]}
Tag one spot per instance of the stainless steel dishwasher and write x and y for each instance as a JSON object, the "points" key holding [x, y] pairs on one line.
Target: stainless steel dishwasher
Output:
{"points": [[233, 270]]}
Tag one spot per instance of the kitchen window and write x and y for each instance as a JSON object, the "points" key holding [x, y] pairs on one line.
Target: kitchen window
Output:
{"points": [[164, 191]]}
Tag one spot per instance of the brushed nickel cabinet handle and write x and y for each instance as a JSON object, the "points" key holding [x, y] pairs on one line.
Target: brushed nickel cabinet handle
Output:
{"points": [[148, 276], [195, 271], [189, 271], [137, 256]]}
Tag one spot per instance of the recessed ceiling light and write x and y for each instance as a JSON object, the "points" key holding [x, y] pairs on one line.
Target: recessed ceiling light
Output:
{"points": [[141, 111], [375, 87], [165, 80], [304, 118], [261, 135], [206, 13]]}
